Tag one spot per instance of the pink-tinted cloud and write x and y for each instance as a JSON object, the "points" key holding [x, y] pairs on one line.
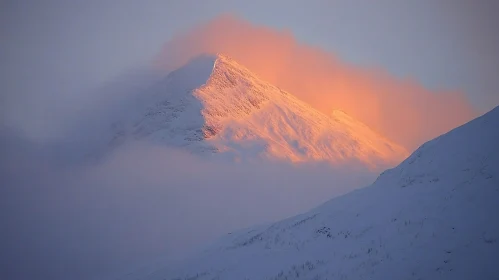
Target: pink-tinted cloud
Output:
{"points": [[402, 110]]}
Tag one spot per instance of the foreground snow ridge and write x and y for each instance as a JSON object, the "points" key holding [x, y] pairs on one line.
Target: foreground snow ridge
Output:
{"points": [[214, 105], [432, 217]]}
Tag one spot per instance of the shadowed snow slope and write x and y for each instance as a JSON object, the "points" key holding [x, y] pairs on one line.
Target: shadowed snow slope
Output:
{"points": [[432, 217], [213, 105]]}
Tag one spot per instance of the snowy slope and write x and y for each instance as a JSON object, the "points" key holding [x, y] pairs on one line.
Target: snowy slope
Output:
{"points": [[432, 217], [215, 105]]}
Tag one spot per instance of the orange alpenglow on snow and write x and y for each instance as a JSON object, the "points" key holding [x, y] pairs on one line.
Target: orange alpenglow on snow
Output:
{"points": [[401, 110], [214, 105]]}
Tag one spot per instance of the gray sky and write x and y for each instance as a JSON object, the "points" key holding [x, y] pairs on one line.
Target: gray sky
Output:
{"points": [[53, 51]]}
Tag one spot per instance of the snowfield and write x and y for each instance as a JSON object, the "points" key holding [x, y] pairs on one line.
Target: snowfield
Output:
{"points": [[213, 105], [434, 216]]}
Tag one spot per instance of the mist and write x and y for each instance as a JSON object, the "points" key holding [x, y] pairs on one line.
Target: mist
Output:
{"points": [[402, 110], [90, 220]]}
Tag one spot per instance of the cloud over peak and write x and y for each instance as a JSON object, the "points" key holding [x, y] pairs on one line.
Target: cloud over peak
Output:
{"points": [[403, 110]]}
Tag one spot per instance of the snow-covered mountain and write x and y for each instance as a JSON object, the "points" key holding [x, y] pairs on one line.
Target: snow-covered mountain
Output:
{"points": [[213, 105], [432, 217]]}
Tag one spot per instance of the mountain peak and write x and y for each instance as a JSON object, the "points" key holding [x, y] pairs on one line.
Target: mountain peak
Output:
{"points": [[214, 104], [209, 61]]}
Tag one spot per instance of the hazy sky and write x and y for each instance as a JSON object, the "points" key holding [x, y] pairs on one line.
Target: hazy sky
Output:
{"points": [[52, 50]]}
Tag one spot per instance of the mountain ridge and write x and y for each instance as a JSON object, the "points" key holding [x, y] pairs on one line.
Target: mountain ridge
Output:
{"points": [[215, 105], [433, 216]]}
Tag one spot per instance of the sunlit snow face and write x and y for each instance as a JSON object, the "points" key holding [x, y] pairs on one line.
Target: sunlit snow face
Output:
{"points": [[213, 104]]}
